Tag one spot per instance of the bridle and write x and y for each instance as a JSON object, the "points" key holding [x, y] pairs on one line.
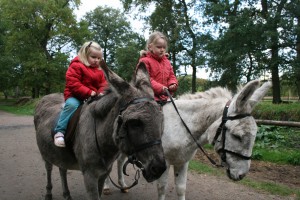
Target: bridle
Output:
{"points": [[132, 159], [222, 129], [132, 155]]}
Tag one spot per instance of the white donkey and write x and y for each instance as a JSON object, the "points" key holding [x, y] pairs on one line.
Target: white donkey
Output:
{"points": [[213, 117]]}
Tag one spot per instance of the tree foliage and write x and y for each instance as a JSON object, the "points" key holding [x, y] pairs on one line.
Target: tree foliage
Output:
{"points": [[39, 33], [120, 43], [236, 40]]}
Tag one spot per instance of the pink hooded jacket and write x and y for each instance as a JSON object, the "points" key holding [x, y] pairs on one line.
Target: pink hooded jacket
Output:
{"points": [[161, 74]]}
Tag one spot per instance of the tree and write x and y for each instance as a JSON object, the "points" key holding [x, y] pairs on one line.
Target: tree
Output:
{"points": [[127, 57], [43, 32], [257, 36], [109, 28], [6, 62], [294, 8], [235, 52]]}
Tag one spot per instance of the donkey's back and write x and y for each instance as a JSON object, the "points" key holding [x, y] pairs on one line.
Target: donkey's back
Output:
{"points": [[45, 118]]}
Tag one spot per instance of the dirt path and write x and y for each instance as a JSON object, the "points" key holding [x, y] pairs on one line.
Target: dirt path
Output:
{"points": [[22, 174]]}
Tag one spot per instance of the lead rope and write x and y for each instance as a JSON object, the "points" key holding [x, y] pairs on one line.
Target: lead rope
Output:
{"points": [[187, 128], [137, 174]]}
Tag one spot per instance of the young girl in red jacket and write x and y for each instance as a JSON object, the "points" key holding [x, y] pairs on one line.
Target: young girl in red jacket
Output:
{"points": [[159, 67], [84, 78]]}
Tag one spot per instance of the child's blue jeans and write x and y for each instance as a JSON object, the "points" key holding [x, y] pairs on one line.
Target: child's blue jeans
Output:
{"points": [[69, 109]]}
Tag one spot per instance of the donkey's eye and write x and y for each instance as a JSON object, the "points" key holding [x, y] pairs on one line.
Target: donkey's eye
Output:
{"points": [[134, 124], [237, 137]]}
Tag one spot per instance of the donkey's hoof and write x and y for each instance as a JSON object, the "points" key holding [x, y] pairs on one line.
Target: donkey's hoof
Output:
{"points": [[48, 197], [106, 191], [124, 190], [68, 198]]}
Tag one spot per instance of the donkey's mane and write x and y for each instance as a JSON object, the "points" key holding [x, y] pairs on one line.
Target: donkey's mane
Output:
{"points": [[212, 93]]}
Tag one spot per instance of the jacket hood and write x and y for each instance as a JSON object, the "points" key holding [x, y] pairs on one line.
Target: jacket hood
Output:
{"points": [[159, 59], [75, 60]]}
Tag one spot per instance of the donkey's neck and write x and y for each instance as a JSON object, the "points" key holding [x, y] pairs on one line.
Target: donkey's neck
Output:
{"points": [[201, 114], [211, 130]]}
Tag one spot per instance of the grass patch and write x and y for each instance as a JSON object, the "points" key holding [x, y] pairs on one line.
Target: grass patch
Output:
{"points": [[272, 188], [204, 169], [280, 156], [12, 106]]}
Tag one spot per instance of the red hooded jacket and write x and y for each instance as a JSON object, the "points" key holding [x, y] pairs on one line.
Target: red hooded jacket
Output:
{"points": [[82, 80], [161, 74]]}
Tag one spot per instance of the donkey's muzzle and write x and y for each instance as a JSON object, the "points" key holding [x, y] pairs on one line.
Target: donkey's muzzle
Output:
{"points": [[155, 169]]}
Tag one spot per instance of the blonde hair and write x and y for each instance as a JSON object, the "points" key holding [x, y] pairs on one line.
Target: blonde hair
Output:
{"points": [[85, 51], [154, 37]]}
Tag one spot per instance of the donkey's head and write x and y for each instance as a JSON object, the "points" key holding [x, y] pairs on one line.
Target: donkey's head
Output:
{"points": [[236, 134], [139, 125]]}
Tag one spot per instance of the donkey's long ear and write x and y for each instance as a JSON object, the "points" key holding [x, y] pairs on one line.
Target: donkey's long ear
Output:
{"points": [[118, 84], [239, 102], [142, 80], [259, 94]]}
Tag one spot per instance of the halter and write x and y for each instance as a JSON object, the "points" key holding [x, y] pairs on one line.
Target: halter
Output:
{"points": [[222, 129]]}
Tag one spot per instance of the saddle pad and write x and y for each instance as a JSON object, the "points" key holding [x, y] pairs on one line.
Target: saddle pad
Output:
{"points": [[70, 133]]}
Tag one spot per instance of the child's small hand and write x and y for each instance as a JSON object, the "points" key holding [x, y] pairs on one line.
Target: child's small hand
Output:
{"points": [[164, 88], [172, 87], [93, 93]]}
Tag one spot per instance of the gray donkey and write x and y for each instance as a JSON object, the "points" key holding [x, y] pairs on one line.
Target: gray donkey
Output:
{"points": [[126, 120]]}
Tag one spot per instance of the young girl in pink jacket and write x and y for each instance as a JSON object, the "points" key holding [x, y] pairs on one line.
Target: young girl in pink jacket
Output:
{"points": [[159, 67]]}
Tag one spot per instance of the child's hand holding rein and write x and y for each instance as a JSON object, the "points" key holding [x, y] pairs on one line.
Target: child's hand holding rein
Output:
{"points": [[93, 93], [172, 87]]}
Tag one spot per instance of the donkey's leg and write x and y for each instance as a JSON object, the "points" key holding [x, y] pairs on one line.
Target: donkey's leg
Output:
{"points": [[91, 184], [120, 162], [162, 184], [48, 167], [64, 183], [180, 174], [105, 185], [106, 189], [101, 182]]}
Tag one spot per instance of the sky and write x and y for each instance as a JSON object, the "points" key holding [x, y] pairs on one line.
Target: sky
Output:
{"points": [[89, 5]]}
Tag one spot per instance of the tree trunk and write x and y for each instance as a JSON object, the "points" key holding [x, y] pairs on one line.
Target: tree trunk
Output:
{"points": [[278, 123], [191, 52], [297, 63]]}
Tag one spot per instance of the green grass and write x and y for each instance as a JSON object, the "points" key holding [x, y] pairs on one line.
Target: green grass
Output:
{"points": [[279, 156], [12, 107], [204, 169], [270, 187]]}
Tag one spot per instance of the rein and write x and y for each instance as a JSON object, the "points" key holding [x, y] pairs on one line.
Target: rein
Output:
{"points": [[131, 158], [188, 130]]}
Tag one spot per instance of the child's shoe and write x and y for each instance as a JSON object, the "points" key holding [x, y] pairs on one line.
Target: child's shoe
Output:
{"points": [[59, 139]]}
